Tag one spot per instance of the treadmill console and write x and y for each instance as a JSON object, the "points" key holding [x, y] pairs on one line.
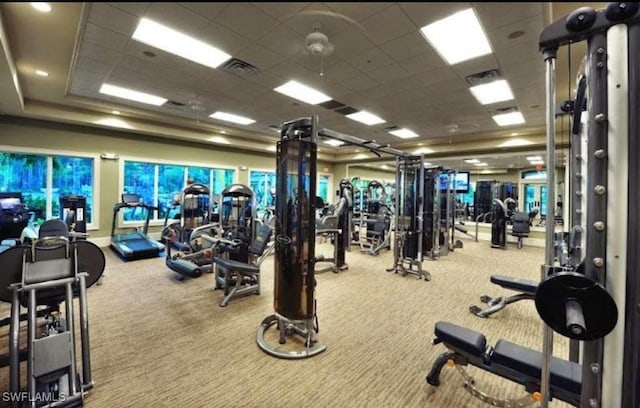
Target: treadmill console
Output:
{"points": [[131, 199]]}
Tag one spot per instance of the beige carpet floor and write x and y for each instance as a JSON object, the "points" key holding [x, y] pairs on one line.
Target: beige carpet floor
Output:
{"points": [[158, 342]]}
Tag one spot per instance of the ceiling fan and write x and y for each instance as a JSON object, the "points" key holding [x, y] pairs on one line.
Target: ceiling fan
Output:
{"points": [[317, 43]]}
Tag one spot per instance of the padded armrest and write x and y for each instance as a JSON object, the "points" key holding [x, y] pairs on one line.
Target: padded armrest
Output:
{"points": [[461, 338], [521, 285]]}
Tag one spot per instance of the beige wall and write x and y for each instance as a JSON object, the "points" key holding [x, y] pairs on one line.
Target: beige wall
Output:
{"points": [[32, 134], [371, 173]]}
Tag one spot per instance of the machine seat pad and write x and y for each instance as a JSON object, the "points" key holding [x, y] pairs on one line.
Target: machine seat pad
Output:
{"points": [[509, 282], [565, 375], [236, 266], [461, 338]]}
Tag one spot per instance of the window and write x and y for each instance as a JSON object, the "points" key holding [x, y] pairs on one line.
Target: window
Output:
{"points": [[43, 178], [263, 184], [156, 183]]}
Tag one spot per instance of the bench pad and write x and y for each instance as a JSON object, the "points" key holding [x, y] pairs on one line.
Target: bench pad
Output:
{"points": [[461, 338]]}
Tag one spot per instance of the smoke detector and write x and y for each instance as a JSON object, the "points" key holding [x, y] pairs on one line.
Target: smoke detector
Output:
{"points": [[453, 128], [317, 43]]}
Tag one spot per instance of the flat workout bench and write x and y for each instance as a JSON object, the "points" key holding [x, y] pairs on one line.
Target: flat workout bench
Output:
{"points": [[526, 287], [506, 359]]}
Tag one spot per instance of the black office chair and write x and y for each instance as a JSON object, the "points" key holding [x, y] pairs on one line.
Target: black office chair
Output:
{"points": [[521, 226], [232, 275]]}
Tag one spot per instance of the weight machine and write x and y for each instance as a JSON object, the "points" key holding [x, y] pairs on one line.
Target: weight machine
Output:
{"points": [[295, 234], [583, 303]]}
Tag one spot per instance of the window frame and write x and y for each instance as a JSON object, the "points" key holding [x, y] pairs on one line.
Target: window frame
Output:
{"points": [[159, 222], [49, 154]]}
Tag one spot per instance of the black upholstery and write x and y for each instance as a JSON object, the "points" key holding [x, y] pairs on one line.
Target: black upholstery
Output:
{"points": [[236, 266], [521, 224], [461, 338], [521, 285], [565, 374], [506, 359]]}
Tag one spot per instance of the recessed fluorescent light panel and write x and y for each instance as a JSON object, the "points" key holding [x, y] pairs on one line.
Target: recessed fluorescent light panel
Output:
{"points": [[404, 133], [472, 161], [177, 43], [459, 37], [507, 119], [481, 164], [42, 73], [334, 142], [366, 118], [44, 7], [132, 95], [534, 158], [534, 162], [302, 93], [492, 92], [230, 117]]}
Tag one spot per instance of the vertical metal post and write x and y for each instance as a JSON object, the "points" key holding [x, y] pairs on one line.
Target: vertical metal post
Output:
{"points": [[631, 361], [617, 205], [14, 345], [87, 381], [71, 328], [420, 197], [547, 340], [596, 196], [31, 334]]}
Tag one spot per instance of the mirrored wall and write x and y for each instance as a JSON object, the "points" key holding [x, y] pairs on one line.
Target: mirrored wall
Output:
{"points": [[525, 173]]}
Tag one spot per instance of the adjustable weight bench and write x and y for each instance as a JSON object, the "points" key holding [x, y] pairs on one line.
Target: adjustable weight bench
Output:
{"points": [[526, 287], [508, 360]]}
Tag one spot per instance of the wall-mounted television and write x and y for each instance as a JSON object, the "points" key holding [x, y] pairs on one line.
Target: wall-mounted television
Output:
{"points": [[461, 182]]}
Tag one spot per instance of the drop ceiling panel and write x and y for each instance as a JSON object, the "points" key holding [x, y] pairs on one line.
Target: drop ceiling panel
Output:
{"points": [[206, 9], [246, 20], [281, 11], [388, 73], [423, 13], [303, 21], [371, 59], [135, 8], [349, 43], [227, 40], [531, 28], [177, 17], [99, 53], [424, 62], [112, 18], [105, 38], [495, 15], [259, 56], [408, 46], [357, 11], [395, 22], [284, 41]]}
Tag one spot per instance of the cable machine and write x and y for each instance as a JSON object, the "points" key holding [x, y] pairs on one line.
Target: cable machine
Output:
{"points": [[295, 232]]}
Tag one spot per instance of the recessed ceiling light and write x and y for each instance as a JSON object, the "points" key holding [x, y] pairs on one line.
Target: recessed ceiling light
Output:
{"points": [[507, 119], [366, 118], [534, 158], [334, 142], [115, 112], [472, 161], [427, 164], [230, 117], [481, 164], [44, 7], [404, 133], [537, 162], [42, 73], [302, 93], [492, 92], [177, 43], [271, 148], [132, 95], [459, 37], [515, 134]]}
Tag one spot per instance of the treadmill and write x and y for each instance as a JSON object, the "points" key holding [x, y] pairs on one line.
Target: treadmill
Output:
{"points": [[134, 245]]}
